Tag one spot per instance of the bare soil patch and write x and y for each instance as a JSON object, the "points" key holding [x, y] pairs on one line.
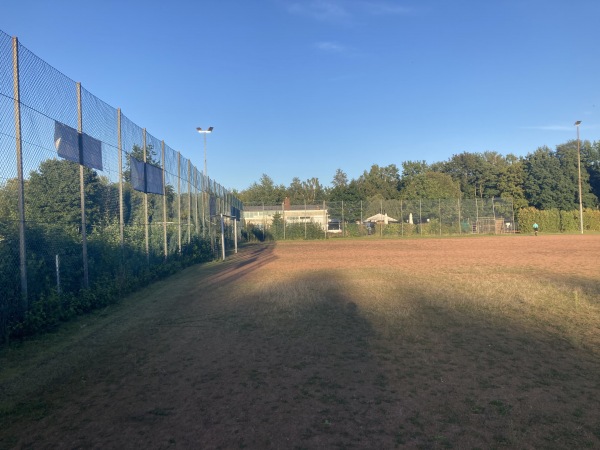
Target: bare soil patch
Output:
{"points": [[372, 343]]}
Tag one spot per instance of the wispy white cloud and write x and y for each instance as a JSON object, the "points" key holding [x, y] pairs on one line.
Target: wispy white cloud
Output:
{"points": [[345, 10], [382, 8], [331, 47], [325, 10]]}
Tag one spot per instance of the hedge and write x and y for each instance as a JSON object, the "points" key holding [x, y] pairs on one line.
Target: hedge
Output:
{"points": [[556, 221]]}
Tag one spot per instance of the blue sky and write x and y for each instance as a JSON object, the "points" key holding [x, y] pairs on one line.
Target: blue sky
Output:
{"points": [[301, 88]]}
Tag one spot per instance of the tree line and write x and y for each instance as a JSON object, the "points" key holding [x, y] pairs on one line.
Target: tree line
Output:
{"points": [[544, 179]]}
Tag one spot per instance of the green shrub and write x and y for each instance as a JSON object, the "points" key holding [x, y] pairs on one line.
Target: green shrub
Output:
{"points": [[355, 230], [556, 221], [591, 220], [114, 273], [569, 221]]}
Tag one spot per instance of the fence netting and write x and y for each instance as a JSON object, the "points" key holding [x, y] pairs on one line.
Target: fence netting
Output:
{"points": [[89, 199], [299, 220]]}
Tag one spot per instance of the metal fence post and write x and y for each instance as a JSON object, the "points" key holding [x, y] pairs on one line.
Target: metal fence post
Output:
{"points": [[305, 214], [512, 207], [459, 224], [440, 213], [235, 242], [21, 187], [162, 155], [86, 279], [197, 234], [325, 219], [401, 219], [146, 231], [212, 234], [283, 215], [179, 201], [203, 189], [120, 152], [189, 175], [420, 219]]}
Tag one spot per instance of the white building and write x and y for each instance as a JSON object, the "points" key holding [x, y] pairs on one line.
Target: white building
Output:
{"points": [[262, 215]]}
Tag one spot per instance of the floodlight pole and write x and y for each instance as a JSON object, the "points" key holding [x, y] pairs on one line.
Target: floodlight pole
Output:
{"points": [[204, 133], [579, 178]]}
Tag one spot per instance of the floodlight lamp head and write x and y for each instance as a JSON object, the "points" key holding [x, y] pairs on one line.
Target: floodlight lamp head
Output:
{"points": [[577, 123], [200, 130]]}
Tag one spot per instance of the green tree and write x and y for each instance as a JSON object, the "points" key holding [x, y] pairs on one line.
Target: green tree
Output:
{"points": [[431, 185], [510, 181], [313, 191], [552, 180], [349, 193], [296, 191], [276, 229], [411, 169], [464, 168], [545, 185], [264, 191], [340, 179], [344, 190], [591, 157], [493, 164], [568, 157], [477, 173], [308, 191], [379, 181], [52, 194], [9, 199]]}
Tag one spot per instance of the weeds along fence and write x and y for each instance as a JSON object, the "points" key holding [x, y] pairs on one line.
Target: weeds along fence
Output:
{"points": [[321, 220], [91, 204]]}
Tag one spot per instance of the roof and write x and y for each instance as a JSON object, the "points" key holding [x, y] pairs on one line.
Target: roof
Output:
{"points": [[381, 218], [280, 208]]}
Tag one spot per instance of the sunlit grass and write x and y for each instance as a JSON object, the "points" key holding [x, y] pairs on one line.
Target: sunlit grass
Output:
{"points": [[394, 301]]}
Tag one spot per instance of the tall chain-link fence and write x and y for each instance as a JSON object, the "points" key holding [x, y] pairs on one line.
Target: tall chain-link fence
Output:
{"points": [[321, 220], [89, 199]]}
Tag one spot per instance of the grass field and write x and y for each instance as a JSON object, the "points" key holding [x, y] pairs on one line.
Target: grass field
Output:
{"points": [[489, 342]]}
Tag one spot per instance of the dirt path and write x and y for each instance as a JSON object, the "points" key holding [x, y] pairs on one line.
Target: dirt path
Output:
{"points": [[273, 350]]}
